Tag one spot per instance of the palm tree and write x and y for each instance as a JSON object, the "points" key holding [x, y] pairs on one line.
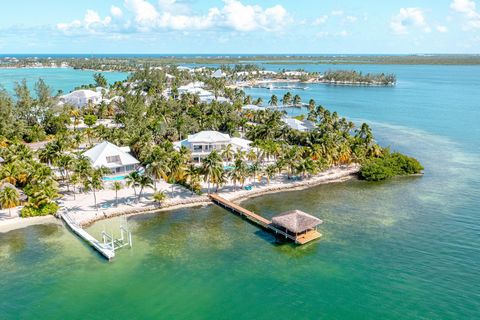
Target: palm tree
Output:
{"points": [[94, 182], [228, 153], [133, 180], [287, 99], [158, 170], [273, 100], [144, 182], [117, 186], [311, 105], [159, 197], [297, 100], [270, 172], [212, 168], [9, 198]]}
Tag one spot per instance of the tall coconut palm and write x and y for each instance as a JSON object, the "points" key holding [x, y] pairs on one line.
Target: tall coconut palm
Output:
{"points": [[133, 181], [273, 101], [297, 100], [228, 153], [159, 197], [94, 182], [9, 198], [212, 168], [117, 186], [144, 182]]}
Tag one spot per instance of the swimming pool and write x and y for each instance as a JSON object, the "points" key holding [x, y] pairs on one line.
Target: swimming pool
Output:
{"points": [[116, 178]]}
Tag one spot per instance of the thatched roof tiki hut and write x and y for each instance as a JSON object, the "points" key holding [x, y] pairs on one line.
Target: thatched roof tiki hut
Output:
{"points": [[298, 226]]}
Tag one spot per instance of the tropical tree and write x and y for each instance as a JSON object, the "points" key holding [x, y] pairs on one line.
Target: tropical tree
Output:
{"points": [[273, 100], [212, 168], [133, 181], [144, 182], [297, 100], [94, 182], [117, 186], [287, 99], [9, 198], [159, 197]]}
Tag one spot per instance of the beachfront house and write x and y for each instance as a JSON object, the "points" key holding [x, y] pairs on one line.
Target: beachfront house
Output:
{"points": [[218, 74], [196, 88], [108, 155], [252, 107], [300, 125], [204, 142], [80, 98]]}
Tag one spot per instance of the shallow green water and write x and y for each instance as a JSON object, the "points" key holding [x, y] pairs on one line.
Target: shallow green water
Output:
{"points": [[403, 249]]}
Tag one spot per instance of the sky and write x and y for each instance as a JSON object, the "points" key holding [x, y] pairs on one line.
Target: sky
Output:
{"points": [[240, 26]]}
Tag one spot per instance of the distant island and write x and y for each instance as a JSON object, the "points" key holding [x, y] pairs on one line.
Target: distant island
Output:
{"points": [[342, 77]]}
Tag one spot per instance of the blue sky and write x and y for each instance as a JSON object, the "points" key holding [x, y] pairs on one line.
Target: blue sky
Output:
{"points": [[240, 26]]}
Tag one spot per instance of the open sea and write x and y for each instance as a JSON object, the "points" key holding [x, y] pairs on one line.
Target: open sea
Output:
{"points": [[408, 248]]}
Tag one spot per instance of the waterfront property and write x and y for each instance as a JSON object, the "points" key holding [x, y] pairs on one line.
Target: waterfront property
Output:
{"points": [[81, 98], [252, 107], [108, 155], [294, 225], [295, 124], [204, 142]]}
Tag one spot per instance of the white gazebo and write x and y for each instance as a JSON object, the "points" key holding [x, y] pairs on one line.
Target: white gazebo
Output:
{"points": [[108, 155]]}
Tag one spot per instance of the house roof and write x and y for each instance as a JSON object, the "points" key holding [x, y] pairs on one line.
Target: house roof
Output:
{"points": [[83, 94], [98, 156], [208, 137], [240, 143], [218, 74], [294, 124], [296, 221], [252, 107], [2, 160]]}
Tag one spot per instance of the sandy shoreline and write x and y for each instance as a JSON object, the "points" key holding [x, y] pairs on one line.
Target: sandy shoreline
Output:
{"points": [[82, 211]]}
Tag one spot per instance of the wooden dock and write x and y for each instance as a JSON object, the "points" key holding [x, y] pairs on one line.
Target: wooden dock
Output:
{"points": [[106, 250], [263, 222]]}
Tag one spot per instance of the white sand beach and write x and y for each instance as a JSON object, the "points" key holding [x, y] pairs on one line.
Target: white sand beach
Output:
{"points": [[81, 205]]}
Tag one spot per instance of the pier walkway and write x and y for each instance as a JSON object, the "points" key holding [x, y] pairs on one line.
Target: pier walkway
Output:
{"points": [[106, 250], [303, 238]]}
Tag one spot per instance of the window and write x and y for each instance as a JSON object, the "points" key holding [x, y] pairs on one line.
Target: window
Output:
{"points": [[114, 159]]}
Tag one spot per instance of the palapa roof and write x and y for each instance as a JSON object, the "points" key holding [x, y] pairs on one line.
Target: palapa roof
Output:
{"points": [[296, 221], [98, 156]]}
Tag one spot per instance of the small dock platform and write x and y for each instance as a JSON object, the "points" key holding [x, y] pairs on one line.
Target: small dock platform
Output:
{"points": [[105, 250], [303, 237]]}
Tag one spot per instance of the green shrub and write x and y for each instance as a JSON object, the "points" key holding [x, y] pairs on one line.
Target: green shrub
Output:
{"points": [[44, 210], [388, 166]]}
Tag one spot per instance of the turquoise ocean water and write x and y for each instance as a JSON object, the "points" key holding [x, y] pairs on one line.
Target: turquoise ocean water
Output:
{"points": [[65, 79], [402, 249]]}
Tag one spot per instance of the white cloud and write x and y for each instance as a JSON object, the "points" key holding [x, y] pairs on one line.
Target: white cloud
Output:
{"points": [[409, 18], [469, 10], [90, 23], [143, 16], [116, 11], [337, 13], [442, 29], [351, 19], [320, 20]]}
